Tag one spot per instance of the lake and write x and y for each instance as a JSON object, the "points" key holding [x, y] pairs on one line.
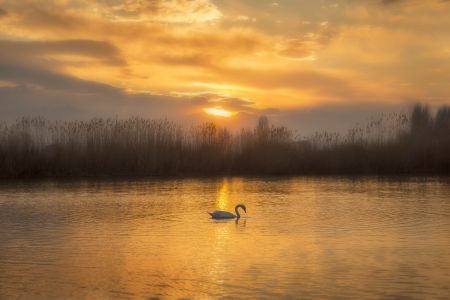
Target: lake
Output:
{"points": [[303, 237]]}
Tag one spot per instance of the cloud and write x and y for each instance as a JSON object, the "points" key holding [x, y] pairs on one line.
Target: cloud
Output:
{"points": [[307, 45], [206, 42], [29, 50], [388, 2], [67, 13], [46, 14], [170, 11], [194, 59], [325, 85], [36, 76], [25, 100], [220, 100], [296, 55], [392, 2], [36, 63]]}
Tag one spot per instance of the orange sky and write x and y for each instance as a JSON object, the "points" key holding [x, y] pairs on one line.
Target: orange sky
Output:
{"points": [[177, 58]]}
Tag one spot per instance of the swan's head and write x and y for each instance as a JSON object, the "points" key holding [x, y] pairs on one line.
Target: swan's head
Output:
{"points": [[241, 206]]}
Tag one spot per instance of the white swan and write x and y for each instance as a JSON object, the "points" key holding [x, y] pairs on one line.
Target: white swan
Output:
{"points": [[220, 214]]}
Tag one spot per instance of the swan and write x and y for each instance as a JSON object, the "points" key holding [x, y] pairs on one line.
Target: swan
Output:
{"points": [[220, 214]]}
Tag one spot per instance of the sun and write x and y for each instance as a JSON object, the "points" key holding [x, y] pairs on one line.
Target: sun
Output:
{"points": [[218, 112]]}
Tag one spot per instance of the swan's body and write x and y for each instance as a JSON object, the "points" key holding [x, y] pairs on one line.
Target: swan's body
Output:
{"points": [[221, 214]]}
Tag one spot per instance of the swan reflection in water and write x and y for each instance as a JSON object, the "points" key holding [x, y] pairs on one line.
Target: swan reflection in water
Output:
{"points": [[240, 224], [221, 214]]}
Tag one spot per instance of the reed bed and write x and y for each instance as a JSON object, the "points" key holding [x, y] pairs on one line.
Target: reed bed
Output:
{"points": [[387, 144]]}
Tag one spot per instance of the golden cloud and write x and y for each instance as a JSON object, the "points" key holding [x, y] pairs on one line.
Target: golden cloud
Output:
{"points": [[264, 55]]}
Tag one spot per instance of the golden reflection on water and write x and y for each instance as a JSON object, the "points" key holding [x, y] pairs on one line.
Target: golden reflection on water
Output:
{"points": [[305, 238], [222, 196], [220, 238]]}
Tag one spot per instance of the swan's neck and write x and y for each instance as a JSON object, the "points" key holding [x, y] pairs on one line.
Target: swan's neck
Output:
{"points": [[236, 209]]}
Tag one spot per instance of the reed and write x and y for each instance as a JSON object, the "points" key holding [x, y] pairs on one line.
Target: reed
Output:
{"points": [[387, 144]]}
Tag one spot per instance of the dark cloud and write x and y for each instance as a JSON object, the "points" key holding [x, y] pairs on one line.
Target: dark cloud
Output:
{"points": [[3, 12], [390, 1], [36, 76], [35, 63], [30, 50], [223, 101], [25, 100], [235, 102]]}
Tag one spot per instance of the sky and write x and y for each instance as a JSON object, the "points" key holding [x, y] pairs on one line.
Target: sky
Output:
{"points": [[307, 64]]}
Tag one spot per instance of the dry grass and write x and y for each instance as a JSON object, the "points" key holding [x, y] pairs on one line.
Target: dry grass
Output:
{"points": [[388, 144]]}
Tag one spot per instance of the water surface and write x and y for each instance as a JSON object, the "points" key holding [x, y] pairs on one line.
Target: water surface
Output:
{"points": [[303, 238]]}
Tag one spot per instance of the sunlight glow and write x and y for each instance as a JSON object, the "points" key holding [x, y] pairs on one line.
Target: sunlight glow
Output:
{"points": [[218, 112], [222, 196]]}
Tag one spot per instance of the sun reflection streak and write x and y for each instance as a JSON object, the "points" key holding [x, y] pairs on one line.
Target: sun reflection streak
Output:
{"points": [[222, 196], [220, 239]]}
